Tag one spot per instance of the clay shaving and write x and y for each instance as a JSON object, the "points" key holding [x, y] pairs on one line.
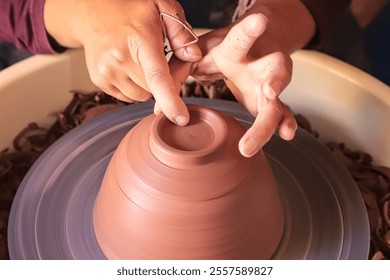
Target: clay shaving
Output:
{"points": [[373, 181]]}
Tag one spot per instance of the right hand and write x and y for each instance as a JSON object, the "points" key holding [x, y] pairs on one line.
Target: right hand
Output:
{"points": [[255, 79], [124, 47]]}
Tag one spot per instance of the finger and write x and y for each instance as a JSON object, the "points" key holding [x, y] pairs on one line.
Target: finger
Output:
{"points": [[115, 92], [123, 82], [263, 128], [130, 89], [241, 37], [246, 100], [156, 109], [105, 85], [161, 84], [178, 31], [181, 38], [279, 73], [206, 70], [180, 71], [288, 126], [112, 76]]}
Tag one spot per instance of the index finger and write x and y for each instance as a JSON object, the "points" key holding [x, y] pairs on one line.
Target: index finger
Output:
{"points": [[267, 120], [161, 84]]}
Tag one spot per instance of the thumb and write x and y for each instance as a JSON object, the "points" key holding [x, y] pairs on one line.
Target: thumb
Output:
{"points": [[182, 39]]}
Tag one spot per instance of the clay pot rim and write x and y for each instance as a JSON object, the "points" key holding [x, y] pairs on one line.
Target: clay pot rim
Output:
{"points": [[169, 155]]}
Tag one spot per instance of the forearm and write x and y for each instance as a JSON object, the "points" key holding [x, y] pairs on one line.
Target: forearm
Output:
{"points": [[290, 25], [21, 22], [294, 24], [60, 17]]}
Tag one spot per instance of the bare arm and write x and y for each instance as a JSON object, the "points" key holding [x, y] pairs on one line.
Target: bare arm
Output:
{"points": [[124, 47], [253, 56]]}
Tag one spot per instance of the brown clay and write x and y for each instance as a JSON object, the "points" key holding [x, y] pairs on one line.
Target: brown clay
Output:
{"points": [[174, 192]]}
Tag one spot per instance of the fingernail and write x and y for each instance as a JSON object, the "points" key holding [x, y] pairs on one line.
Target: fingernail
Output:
{"points": [[194, 52], [292, 133], [263, 15], [181, 120], [249, 147]]}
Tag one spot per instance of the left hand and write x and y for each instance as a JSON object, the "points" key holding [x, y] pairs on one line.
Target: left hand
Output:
{"points": [[255, 80]]}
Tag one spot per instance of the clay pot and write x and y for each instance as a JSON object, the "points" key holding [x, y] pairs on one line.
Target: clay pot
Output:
{"points": [[174, 192]]}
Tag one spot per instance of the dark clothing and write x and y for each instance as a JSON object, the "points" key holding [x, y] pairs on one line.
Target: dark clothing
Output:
{"points": [[21, 22], [209, 14], [325, 13]]}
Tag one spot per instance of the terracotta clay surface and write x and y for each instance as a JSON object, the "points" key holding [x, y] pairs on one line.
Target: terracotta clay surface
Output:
{"points": [[174, 192]]}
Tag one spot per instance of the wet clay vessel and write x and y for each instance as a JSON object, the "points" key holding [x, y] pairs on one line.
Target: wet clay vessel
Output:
{"points": [[173, 192]]}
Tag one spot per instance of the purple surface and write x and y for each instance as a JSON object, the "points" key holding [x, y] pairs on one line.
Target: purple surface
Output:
{"points": [[51, 217]]}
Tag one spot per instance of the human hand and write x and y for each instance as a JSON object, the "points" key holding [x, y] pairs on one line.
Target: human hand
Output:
{"points": [[255, 80], [256, 83], [124, 46]]}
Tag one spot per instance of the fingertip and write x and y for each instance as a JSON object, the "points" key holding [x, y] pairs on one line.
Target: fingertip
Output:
{"points": [[249, 146], [288, 126], [256, 24], [178, 114], [287, 132], [181, 119], [263, 17], [190, 53]]}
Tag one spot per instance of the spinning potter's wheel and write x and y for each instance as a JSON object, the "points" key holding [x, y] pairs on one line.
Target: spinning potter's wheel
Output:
{"points": [[51, 217]]}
